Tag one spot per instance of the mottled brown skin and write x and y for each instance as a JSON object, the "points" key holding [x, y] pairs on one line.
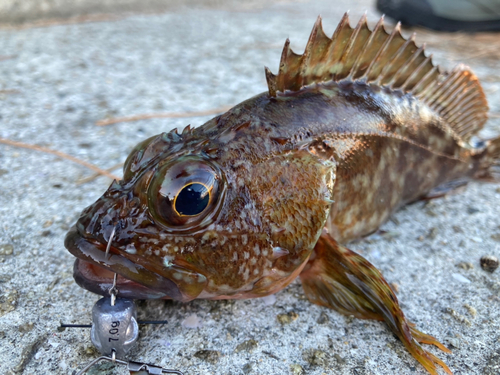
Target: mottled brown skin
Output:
{"points": [[283, 160], [335, 156]]}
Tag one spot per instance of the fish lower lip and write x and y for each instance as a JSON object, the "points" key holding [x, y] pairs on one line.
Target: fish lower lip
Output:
{"points": [[94, 273], [99, 280]]}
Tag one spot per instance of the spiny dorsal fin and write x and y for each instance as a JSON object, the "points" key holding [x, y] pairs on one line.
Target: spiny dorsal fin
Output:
{"points": [[385, 59]]}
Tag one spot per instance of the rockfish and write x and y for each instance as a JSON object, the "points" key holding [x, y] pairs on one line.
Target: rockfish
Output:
{"points": [[357, 126]]}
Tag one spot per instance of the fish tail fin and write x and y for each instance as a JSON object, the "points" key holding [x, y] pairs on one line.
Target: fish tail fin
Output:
{"points": [[343, 280], [488, 161]]}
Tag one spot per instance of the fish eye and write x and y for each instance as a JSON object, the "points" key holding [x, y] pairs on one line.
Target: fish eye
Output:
{"points": [[185, 193], [192, 199]]}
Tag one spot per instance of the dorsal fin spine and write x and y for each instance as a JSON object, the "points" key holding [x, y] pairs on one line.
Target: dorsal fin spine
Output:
{"points": [[454, 97], [340, 27], [443, 99], [280, 84], [452, 106], [404, 70], [271, 81], [337, 42], [461, 111], [462, 105], [349, 46], [469, 122], [382, 49], [420, 88], [405, 65], [386, 47], [384, 59], [307, 52], [444, 85], [470, 100], [365, 56], [394, 58], [365, 49], [417, 71]]}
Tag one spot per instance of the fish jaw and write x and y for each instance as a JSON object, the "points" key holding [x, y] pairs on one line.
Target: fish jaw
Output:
{"points": [[94, 271]]}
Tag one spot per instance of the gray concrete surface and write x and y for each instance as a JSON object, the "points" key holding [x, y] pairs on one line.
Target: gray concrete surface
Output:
{"points": [[15, 12], [56, 82]]}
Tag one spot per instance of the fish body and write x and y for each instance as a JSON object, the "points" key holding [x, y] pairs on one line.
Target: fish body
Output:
{"points": [[358, 126]]}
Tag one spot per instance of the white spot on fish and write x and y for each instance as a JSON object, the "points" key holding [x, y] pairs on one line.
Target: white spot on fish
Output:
{"points": [[256, 249], [279, 252], [167, 262], [130, 248]]}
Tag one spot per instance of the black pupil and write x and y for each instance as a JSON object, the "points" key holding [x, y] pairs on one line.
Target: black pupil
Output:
{"points": [[192, 199]]}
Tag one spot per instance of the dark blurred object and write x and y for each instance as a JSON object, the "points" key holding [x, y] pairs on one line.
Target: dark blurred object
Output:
{"points": [[445, 15], [489, 263]]}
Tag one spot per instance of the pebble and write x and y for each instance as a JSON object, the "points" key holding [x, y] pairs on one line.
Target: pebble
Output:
{"points": [[433, 233], [24, 328], [211, 356], [465, 265], [45, 233], [457, 316], [8, 301], [471, 310], [192, 321], [287, 318], [430, 212], [247, 346], [296, 369], [269, 300], [472, 210], [495, 237], [323, 318], [453, 341], [6, 249], [460, 278], [489, 263], [248, 368], [315, 357]]}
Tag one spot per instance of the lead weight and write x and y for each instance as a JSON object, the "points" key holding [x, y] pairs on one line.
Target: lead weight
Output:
{"points": [[114, 328]]}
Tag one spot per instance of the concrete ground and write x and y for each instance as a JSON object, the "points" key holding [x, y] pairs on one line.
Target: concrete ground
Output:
{"points": [[57, 81]]}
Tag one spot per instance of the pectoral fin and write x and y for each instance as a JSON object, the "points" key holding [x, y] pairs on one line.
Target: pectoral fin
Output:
{"points": [[343, 280]]}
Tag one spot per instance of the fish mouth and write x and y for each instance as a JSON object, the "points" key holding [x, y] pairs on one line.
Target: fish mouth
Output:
{"points": [[99, 280], [95, 272]]}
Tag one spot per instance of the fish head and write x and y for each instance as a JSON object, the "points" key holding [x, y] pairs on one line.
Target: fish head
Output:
{"points": [[189, 222]]}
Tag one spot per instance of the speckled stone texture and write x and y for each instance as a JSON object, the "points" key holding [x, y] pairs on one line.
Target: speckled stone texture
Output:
{"points": [[57, 81]]}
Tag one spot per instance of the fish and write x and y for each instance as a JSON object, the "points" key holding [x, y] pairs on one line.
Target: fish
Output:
{"points": [[275, 188]]}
